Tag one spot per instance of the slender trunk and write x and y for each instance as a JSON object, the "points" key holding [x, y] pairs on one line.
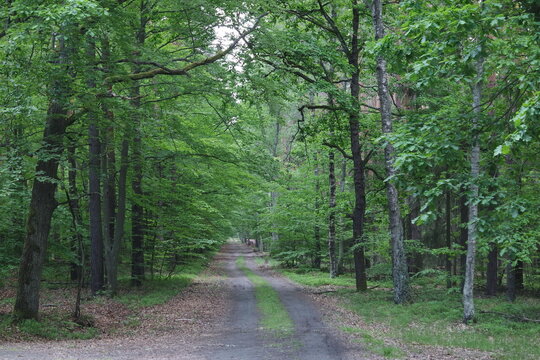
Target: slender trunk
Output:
{"points": [[317, 228], [42, 201], [120, 217], [416, 261], [448, 228], [400, 274], [273, 194], [510, 282], [468, 287], [359, 206], [359, 210], [94, 202], [341, 245], [491, 278], [75, 266], [137, 210], [332, 216], [519, 275], [463, 235], [76, 218]]}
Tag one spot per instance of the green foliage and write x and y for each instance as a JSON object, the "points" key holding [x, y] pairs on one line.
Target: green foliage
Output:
{"points": [[52, 327]]}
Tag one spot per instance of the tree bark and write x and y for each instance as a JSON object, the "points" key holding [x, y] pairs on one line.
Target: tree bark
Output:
{"points": [[359, 210], [400, 274], [114, 250], [75, 266], [137, 210], [463, 235], [468, 286], [510, 282], [491, 276], [317, 228], [332, 216], [448, 228], [94, 203], [341, 244], [42, 201]]}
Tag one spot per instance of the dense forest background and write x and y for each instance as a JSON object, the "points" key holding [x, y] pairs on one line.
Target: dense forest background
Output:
{"points": [[392, 142]]}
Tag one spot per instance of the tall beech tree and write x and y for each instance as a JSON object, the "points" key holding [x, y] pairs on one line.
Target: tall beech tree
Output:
{"points": [[400, 273]]}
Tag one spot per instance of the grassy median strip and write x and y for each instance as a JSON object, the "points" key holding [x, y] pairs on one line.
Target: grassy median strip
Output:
{"points": [[274, 316]]}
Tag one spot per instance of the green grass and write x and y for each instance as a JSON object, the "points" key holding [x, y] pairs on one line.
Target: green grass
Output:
{"points": [[434, 318], [375, 344], [317, 278], [274, 316], [266, 261], [54, 327], [159, 291]]}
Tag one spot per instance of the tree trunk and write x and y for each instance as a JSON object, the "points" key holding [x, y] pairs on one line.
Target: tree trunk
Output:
{"points": [[137, 210], [112, 259], [317, 228], [400, 274], [448, 228], [510, 282], [332, 216], [42, 201], [341, 245], [359, 210], [491, 278], [94, 202], [519, 276], [463, 235], [75, 266], [468, 286], [416, 261]]}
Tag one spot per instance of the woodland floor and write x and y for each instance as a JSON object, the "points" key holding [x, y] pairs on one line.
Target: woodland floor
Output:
{"points": [[217, 318]]}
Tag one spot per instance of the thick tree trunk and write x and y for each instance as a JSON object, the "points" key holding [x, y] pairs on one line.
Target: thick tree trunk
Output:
{"points": [[468, 286], [42, 201], [332, 216], [400, 274]]}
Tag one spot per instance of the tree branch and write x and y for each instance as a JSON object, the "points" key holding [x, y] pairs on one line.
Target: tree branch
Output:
{"points": [[338, 148], [183, 71]]}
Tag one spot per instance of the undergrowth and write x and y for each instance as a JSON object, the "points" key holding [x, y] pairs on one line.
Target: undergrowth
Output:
{"points": [[435, 317], [58, 325]]}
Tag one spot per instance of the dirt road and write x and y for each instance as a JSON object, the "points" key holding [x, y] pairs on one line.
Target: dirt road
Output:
{"points": [[237, 335]]}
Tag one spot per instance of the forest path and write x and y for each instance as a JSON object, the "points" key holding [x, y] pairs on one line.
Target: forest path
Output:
{"points": [[235, 335]]}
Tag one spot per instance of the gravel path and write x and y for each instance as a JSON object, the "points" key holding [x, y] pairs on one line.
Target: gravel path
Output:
{"points": [[214, 319]]}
